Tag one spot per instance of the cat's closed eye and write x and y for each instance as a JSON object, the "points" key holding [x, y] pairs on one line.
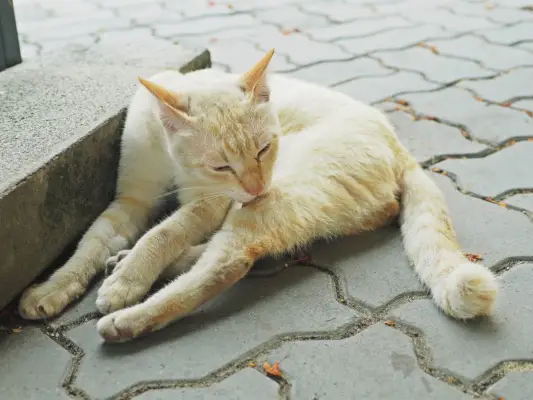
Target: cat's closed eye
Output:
{"points": [[222, 168], [264, 150]]}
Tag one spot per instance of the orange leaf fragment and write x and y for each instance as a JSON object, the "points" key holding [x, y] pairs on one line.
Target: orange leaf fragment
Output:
{"points": [[478, 98], [290, 31], [390, 323], [474, 257], [213, 40], [506, 104], [433, 49], [272, 370], [502, 204], [431, 118], [402, 102]]}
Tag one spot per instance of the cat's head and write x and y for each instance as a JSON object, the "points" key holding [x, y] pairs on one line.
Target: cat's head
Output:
{"points": [[226, 137]]}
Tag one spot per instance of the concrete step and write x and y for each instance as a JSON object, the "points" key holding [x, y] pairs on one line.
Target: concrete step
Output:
{"points": [[60, 125]]}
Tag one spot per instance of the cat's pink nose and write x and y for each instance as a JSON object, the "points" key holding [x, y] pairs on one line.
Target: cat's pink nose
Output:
{"points": [[255, 189]]}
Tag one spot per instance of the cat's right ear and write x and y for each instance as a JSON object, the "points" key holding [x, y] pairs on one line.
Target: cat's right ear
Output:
{"points": [[173, 109]]}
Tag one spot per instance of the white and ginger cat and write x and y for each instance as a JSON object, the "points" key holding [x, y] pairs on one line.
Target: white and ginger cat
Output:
{"points": [[262, 166]]}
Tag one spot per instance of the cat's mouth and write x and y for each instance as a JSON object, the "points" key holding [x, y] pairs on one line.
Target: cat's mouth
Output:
{"points": [[255, 200]]}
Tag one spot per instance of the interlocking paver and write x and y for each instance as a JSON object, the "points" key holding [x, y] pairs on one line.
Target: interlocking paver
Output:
{"points": [[524, 201], [291, 17], [372, 267], [195, 9], [372, 89], [528, 46], [149, 15], [427, 139], [488, 122], [204, 25], [514, 386], [357, 28], [299, 299], [330, 73], [435, 67], [504, 87], [494, 174], [492, 56], [33, 366], [524, 104], [449, 21], [379, 363], [509, 34], [339, 11], [497, 13], [393, 39], [471, 349], [244, 385]]}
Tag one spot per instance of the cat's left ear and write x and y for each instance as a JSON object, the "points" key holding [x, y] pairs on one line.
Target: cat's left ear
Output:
{"points": [[255, 82], [173, 108]]}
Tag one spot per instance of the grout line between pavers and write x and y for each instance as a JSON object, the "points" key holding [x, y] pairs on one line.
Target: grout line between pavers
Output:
{"points": [[483, 383]]}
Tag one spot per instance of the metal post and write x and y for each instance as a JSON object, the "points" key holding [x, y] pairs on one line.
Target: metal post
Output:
{"points": [[9, 41]]}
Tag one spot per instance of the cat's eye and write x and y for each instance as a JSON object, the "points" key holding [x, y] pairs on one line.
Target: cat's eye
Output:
{"points": [[263, 150], [223, 168]]}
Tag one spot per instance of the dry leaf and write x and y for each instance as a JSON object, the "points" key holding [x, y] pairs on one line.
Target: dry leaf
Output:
{"points": [[402, 102], [431, 118], [230, 6], [390, 323], [251, 364], [290, 31], [433, 49], [437, 170], [506, 104], [451, 379], [489, 6], [464, 133], [473, 257], [17, 330], [502, 204], [272, 370]]}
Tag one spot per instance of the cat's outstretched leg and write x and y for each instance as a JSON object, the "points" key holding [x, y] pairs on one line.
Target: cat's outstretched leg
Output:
{"points": [[460, 288], [162, 246], [141, 180], [272, 225]]}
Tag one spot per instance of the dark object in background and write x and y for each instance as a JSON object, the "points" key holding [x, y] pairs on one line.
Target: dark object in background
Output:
{"points": [[9, 41]]}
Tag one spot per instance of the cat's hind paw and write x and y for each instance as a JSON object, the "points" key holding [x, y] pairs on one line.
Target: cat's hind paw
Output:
{"points": [[469, 291], [112, 262]]}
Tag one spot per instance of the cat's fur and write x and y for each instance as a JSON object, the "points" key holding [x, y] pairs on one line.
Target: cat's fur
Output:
{"points": [[295, 162]]}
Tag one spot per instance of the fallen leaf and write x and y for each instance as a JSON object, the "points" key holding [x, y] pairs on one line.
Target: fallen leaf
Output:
{"points": [[530, 113], [506, 104], [272, 370], [464, 133], [437, 170], [230, 6], [451, 379], [390, 323], [17, 330], [478, 98], [502, 204], [251, 364], [433, 49], [431, 118], [473, 257], [290, 31], [402, 102], [489, 6]]}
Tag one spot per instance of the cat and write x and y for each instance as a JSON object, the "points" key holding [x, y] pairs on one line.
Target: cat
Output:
{"points": [[263, 164]]}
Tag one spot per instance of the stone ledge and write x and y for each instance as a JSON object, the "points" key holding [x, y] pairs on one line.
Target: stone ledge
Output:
{"points": [[60, 125]]}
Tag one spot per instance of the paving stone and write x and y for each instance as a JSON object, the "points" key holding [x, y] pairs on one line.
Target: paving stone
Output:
{"points": [[449, 21], [204, 25], [435, 67], [524, 201], [290, 17], [373, 89], [84, 306], [492, 56], [244, 385], [510, 34], [149, 15], [426, 139], [496, 14], [299, 299], [378, 363], [74, 8], [253, 5], [357, 28], [192, 9], [504, 87], [240, 56], [528, 46], [330, 73], [393, 39], [469, 349], [489, 122], [524, 104], [28, 51], [33, 366], [372, 267], [339, 11], [30, 12], [492, 175], [514, 386], [74, 44]]}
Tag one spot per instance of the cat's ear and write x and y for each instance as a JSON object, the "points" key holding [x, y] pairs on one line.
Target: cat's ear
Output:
{"points": [[173, 108], [255, 82]]}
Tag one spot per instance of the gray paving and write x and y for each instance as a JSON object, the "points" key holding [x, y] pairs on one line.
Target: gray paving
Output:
{"points": [[354, 322]]}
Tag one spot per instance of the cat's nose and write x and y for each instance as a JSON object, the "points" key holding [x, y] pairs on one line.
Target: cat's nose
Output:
{"points": [[255, 189]]}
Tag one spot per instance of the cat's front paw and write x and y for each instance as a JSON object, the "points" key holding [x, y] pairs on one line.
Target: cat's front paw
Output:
{"points": [[121, 289], [123, 325], [469, 291], [49, 298], [112, 262]]}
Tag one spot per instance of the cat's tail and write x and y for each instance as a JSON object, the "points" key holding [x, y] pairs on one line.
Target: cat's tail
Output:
{"points": [[459, 287]]}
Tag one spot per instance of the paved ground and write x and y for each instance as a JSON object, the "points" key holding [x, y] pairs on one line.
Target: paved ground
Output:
{"points": [[456, 78]]}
